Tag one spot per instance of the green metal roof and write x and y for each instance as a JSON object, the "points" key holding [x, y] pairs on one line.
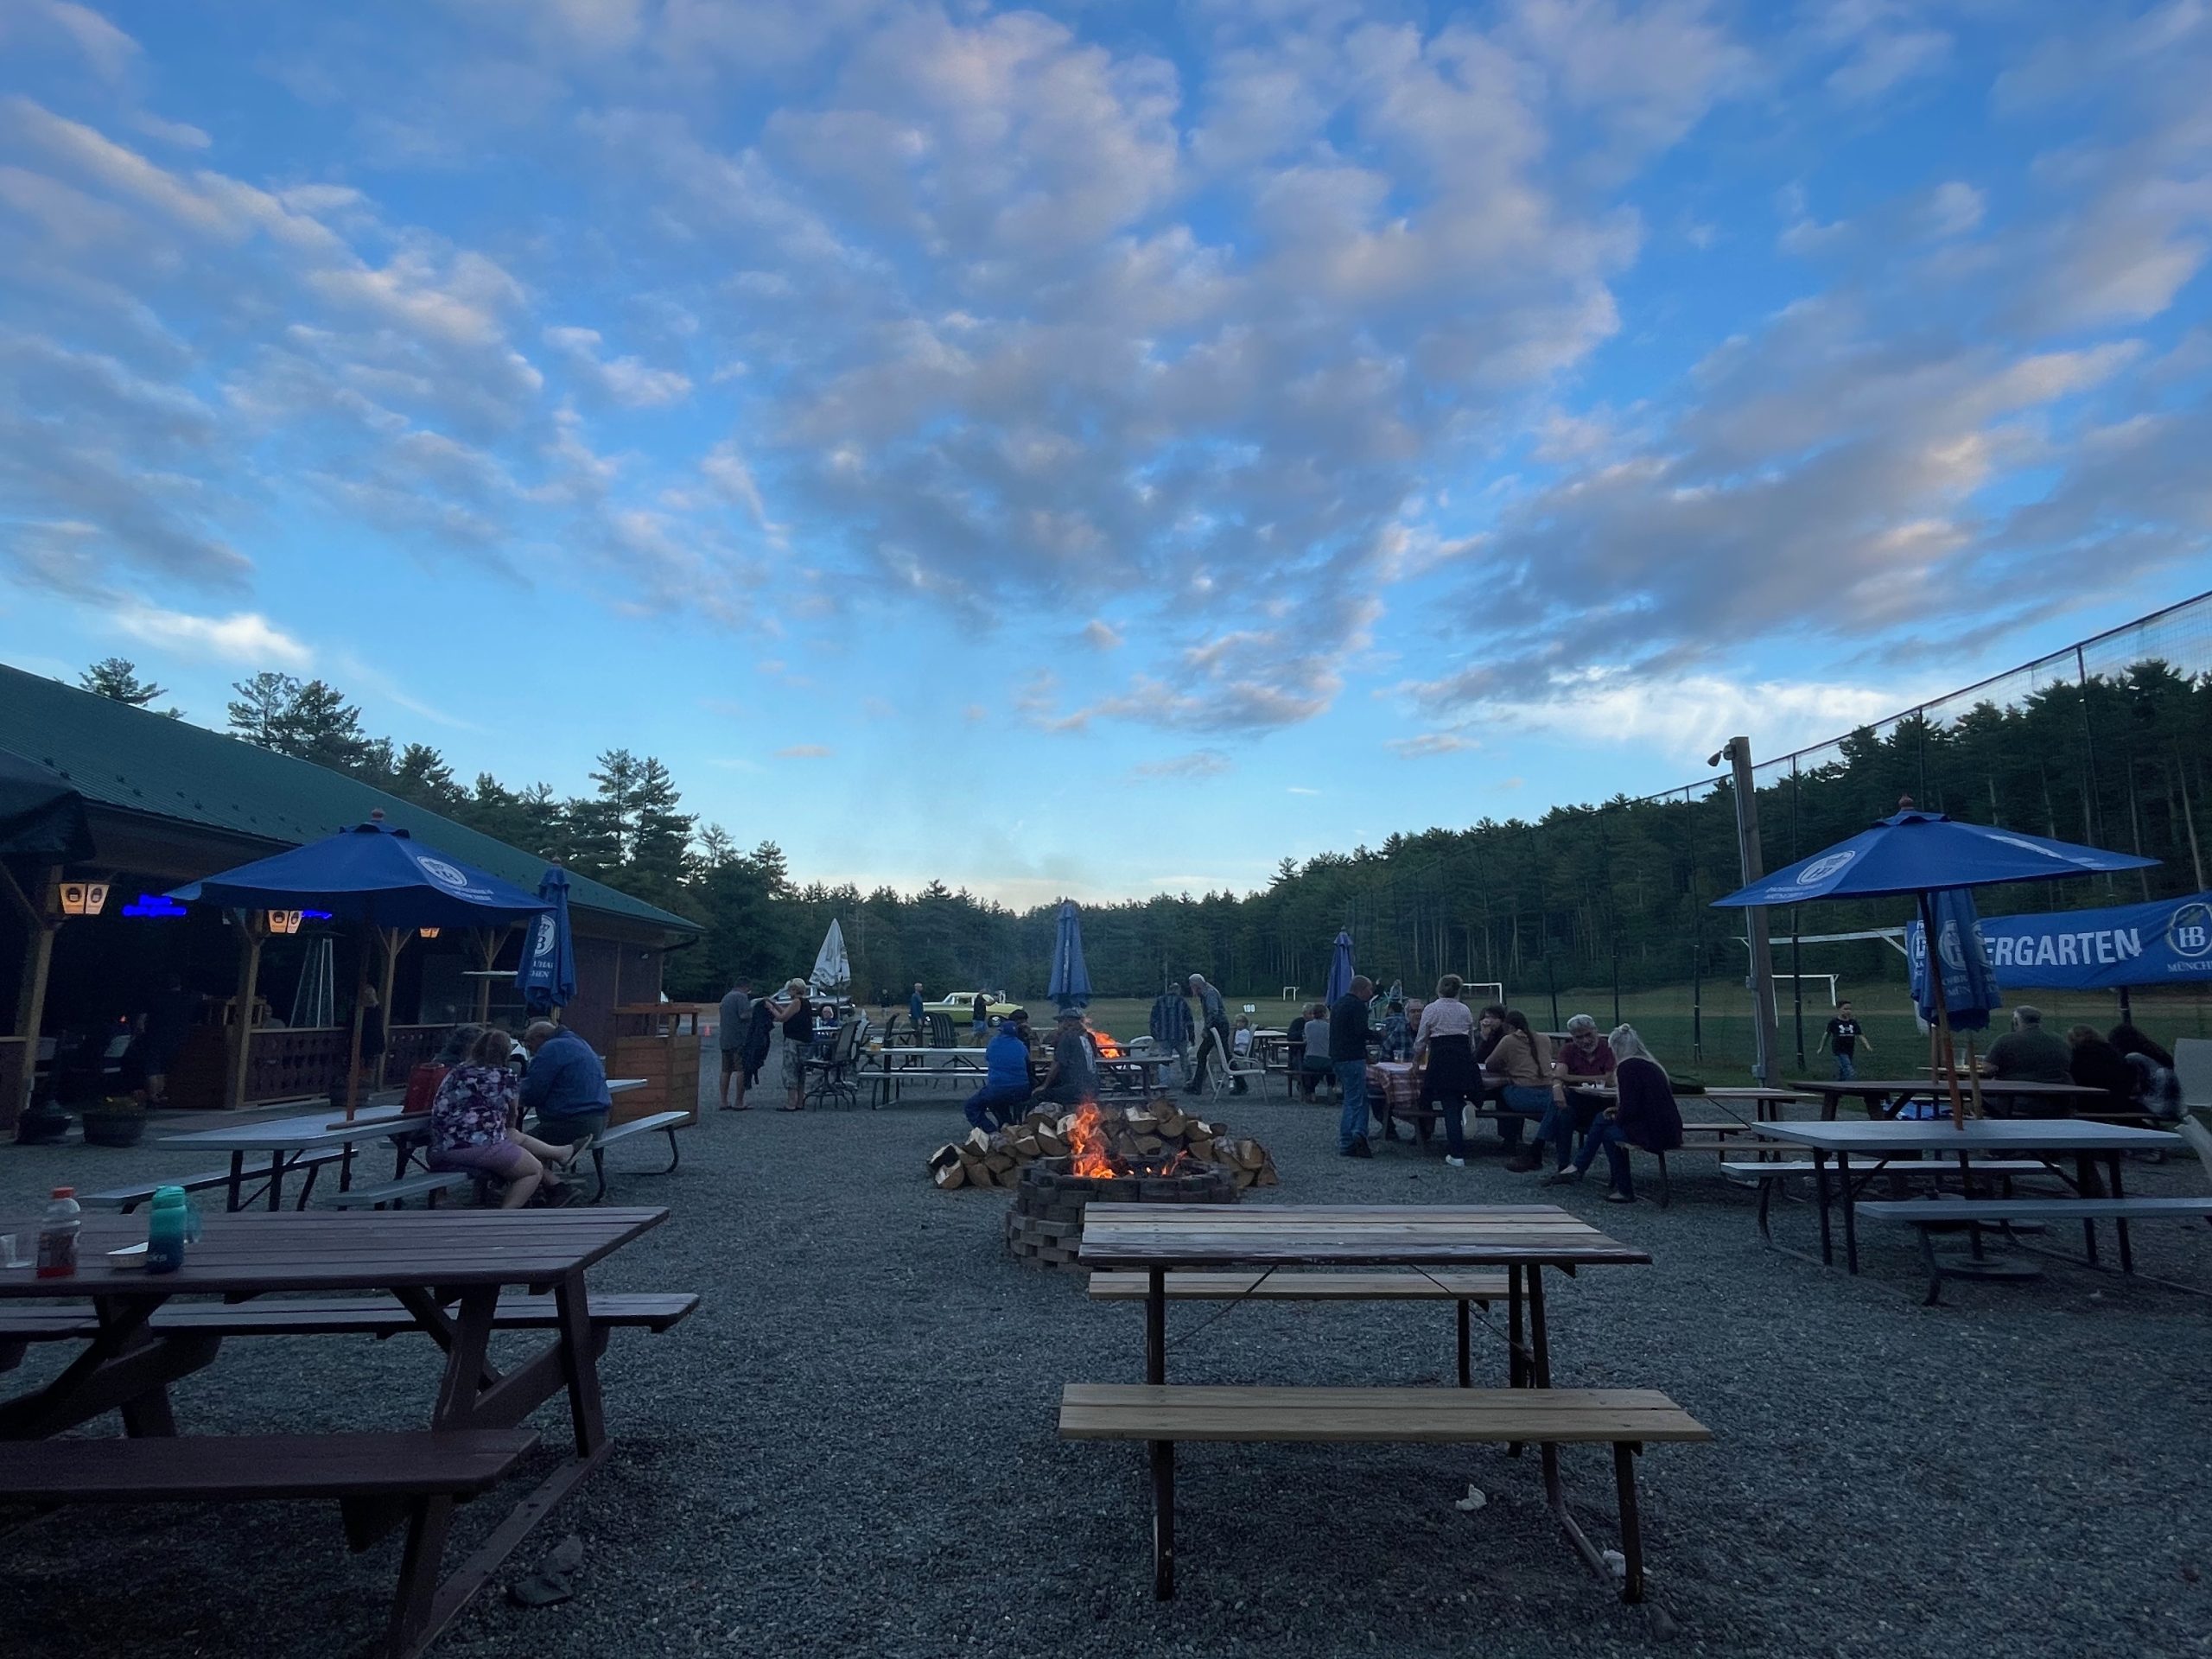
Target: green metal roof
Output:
{"points": [[125, 758]]}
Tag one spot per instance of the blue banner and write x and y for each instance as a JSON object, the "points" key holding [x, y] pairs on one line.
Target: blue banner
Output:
{"points": [[2169, 942]]}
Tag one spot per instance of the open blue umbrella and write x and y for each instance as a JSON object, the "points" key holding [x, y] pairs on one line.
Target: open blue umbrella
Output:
{"points": [[1340, 968], [1926, 854], [1070, 982], [371, 874], [547, 977]]}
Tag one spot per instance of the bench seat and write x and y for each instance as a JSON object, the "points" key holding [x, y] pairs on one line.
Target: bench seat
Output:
{"points": [[1927, 1214], [1626, 1419], [666, 1123], [128, 1198], [1748, 1172], [425, 1185], [377, 1479], [336, 1316]]}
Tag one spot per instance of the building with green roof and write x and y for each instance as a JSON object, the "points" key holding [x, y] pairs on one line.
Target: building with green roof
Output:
{"points": [[168, 802]]}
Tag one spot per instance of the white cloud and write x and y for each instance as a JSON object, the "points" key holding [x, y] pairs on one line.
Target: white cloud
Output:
{"points": [[805, 752], [1100, 636], [628, 381], [1198, 763], [245, 637], [1429, 743]]}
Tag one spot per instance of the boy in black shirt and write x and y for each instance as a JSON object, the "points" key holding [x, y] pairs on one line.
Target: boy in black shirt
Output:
{"points": [[1843, 1037]]}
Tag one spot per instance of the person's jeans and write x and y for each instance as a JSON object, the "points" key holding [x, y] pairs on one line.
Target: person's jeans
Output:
{"points": [[566, 1131], [1517, 1104], [1846, 1068], [993, 1105], [1213, 1042], [1558, 1128], [1455, 1132], [1605, 1137], [1351, 1123]]}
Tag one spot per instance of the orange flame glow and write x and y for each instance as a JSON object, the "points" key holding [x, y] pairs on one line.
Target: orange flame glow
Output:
{"points": [[1087, 1144]]}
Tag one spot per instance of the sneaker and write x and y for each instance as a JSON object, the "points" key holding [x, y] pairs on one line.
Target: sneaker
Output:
{"points": [[1562, 1177], [1359, 1149], [1522, 1166], [1456, 1163], [1620, 1197]]}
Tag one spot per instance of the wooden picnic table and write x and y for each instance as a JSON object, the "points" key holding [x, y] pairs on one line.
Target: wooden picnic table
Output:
{"points": [[425, 1260], [1876, 1141], [290, 1140], [1887, 1096]]}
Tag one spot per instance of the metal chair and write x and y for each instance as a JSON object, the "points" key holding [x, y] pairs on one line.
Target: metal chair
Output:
{"points": [[835, 1075]]}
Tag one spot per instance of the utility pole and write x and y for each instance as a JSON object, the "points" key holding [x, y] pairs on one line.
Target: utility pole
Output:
{"points": [[1765, 1039]]}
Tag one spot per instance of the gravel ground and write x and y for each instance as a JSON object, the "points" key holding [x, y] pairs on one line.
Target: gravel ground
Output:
{"points": [[850, 1448]]}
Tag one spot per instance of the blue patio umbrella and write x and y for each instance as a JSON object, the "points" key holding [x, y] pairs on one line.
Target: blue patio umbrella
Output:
{"points": [[1070, 982], [1926, 854], [375, 875], [1340, 968], [1969, 988], [547, 977]]}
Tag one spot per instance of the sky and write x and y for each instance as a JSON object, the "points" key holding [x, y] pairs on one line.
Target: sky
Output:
{"points": [[1096, 449]]}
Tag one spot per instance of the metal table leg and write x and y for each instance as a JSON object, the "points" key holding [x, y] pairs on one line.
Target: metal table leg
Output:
{"points": [[1820, 1185], [1850, 1212]]}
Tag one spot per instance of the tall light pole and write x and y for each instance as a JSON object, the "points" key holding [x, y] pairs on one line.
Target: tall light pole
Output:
{"points": [[1765, 1039]]}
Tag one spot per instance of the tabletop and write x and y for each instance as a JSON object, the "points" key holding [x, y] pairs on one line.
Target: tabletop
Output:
{"points": [[1931, 1085], [1206, 1234], [250, 1253], [327, 1128], [1978, 1134]]}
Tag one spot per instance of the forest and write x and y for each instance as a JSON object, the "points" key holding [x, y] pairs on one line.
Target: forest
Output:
{"points": [[1613, 893]]}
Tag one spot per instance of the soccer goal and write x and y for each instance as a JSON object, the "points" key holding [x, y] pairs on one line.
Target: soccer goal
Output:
{"points": [[1481, 993], [1816, 986]]}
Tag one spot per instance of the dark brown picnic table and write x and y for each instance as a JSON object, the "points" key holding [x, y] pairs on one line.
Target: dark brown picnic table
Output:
{"points": [[446, 1268]]}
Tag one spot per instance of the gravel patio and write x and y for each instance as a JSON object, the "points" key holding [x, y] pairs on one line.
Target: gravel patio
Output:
{"points": [[850, 1448]]}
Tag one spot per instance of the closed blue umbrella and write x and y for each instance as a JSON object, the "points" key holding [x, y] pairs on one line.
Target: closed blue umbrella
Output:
{"points": [[547, 977], [1927, 855], [1970, 993], [1340, 968], [1070, 982]]}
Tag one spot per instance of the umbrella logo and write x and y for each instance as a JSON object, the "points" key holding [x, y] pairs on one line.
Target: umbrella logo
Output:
{"points": [[442, 873], [2188, 932], [1821, 868], [546, 931], [1954, 956]]}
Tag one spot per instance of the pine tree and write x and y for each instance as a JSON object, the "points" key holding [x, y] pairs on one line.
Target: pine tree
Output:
{"points": [[116, 677], [257, 714], [421, 775]]}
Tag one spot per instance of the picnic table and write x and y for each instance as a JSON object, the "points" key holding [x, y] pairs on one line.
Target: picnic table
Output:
{"points": [[1876, 1142], [1886, 1097], [427, 1262], [1160, 1240], [303, 1143]]}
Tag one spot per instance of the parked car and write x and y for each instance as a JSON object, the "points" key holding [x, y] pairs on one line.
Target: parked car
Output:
{"points": [[959, 1006]]}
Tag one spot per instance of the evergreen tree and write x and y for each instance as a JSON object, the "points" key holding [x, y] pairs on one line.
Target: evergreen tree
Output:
{"points": [[116, 677]]}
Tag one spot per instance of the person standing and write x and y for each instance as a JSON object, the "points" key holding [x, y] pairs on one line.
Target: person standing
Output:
{"points": [[736, 1024], [796, 1017], [916, 1014], [1842, 1038], [1348, 1037], [168, 1023], [1213, 1035], [1443, 1048], [1170, 1025], [980, 1017], [566, 1085], [372, 1039]]}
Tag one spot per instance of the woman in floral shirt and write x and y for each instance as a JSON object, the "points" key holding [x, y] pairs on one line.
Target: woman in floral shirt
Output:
{"points": [[470, 1128]]}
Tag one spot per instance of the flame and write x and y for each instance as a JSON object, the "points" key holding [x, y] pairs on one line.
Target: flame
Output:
{"points": [[1109, 1046], [1087, 1144]]}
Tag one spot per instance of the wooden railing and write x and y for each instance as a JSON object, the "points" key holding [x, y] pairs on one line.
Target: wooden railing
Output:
{"points": [[311, 1059]]}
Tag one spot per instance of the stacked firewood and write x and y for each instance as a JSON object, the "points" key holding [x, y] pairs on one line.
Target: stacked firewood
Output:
{"points": [[1137, 1139]]}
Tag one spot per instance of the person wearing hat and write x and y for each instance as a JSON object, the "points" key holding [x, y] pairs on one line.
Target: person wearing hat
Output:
{"points": [[1073, 1077], [1006, 1076]]}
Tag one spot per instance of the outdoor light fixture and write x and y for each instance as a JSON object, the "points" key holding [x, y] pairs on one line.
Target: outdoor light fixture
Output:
{"points": [[284, 921], [83, 898], [426, 933]]}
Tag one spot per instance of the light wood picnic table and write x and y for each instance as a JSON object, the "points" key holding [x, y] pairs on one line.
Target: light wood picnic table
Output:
{"points": [[1876, 1141], [424, 1259]]}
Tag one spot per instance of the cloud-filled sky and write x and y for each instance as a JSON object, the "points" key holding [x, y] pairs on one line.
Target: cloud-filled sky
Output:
{"points": [[1093, 448]]}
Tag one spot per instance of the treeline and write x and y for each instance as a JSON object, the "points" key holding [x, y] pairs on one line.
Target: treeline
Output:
{"points": [[1583, 896]]}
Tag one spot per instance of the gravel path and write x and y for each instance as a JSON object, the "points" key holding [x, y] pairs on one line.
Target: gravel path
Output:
{"points": [[850, 1449]]}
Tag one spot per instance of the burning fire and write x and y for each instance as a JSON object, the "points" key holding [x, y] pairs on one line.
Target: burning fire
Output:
{"points": [[1109, 1046], [1088, 1153]]}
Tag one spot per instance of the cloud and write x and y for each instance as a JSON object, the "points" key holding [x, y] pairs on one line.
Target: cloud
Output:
{"points": [[625, 380], [1299, 789], [1100, 636], [60, 24], [1429, 743], [1197, 763], [247, 638], [805, 752]]}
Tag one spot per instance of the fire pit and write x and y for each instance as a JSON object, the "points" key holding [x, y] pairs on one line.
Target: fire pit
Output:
{"points": [[1043, 1225]]}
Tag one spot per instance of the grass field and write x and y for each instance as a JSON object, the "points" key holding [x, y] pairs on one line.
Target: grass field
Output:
{"points": [[1664, 1019]]}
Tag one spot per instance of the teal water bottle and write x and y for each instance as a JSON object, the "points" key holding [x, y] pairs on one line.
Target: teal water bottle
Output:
{"points": [[171, 1224]]}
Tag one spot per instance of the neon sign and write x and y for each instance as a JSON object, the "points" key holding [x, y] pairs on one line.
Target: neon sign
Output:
{"points": [[150, 906]]}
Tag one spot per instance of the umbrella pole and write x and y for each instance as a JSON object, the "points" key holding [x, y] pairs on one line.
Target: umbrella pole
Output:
{"points": [[1973, 1078], [1948, 1067], [353, 1056]]}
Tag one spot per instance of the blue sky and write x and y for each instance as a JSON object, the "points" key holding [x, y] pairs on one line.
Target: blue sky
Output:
{"points": [[1099, 449]]}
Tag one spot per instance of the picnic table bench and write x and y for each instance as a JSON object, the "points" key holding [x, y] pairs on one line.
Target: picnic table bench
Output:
{"points": [[1928, 1214], [421, 1476], [127, 1196], [665, 1123], [1624, 1418], [1465, 1289]]}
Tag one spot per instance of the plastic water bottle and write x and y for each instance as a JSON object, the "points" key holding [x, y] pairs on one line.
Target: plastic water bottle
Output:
{"points": [[57, 1235], [170, 1225]]}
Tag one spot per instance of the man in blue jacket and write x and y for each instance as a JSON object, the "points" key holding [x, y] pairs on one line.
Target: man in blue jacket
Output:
{"points": [[566, 1085], [1005, 1076]]}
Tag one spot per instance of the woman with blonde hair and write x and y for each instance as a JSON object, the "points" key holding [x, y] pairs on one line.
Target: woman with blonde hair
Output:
{"points": [[797, 1019], [1643, 1114]]}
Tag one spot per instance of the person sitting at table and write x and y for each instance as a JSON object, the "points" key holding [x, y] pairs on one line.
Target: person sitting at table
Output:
{"points": [[1240, 1039], [2095, 1064], [1072, 1078], [1443, 1046], [472, 1127], [2157, 1089], [1520, 1062], [1643, 1114], [2027, 1054], [796, 1016], [1005, 1076], [422, 1081], [1316, 1068], [1586, 1059], [566, 1085]]}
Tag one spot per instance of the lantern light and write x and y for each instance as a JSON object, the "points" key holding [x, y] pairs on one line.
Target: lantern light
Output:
{"points": [[83, 898], [284, 921], [426, 933]]}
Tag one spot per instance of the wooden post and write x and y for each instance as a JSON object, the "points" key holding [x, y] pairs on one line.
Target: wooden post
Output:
{"points": [[488, 941], [252, 928], [40, 923], [353, 1049], [1765, 1039]]}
